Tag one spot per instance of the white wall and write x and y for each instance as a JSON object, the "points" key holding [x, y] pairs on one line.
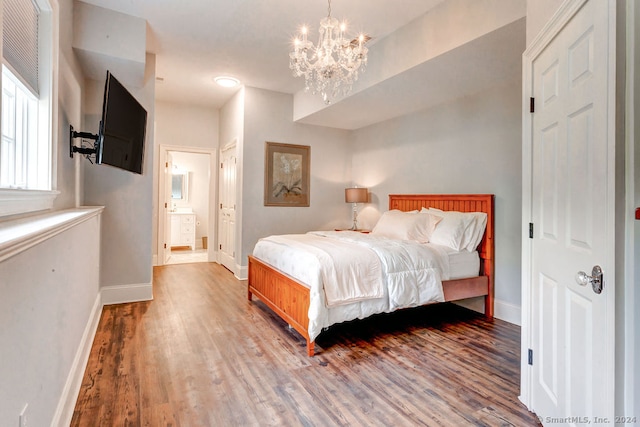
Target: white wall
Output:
{"points": [[48, 293], [197, 164], [268, 117], [470, 145], [232, 120], [70, 87], [126, 248], [186, 125], [105, 39], [538, 14]]}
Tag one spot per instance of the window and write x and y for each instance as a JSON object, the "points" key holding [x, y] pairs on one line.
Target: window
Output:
{"points": [[19, 143], [26, 119]]}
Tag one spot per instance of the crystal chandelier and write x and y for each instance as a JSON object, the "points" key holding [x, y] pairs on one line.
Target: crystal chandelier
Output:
{"points": [[331, 67]]}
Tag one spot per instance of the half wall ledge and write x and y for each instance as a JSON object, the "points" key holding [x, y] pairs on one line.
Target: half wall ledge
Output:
{"points": [[18, 235]]}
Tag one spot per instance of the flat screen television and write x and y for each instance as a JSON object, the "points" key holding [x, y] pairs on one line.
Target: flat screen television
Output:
{"points": [[122, 128]]}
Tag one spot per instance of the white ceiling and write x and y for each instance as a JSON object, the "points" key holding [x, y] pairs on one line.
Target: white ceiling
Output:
{"points": [[196, 40]]}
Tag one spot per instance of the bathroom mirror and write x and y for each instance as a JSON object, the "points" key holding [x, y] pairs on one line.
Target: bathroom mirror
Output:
{"points": [[179, 186]]}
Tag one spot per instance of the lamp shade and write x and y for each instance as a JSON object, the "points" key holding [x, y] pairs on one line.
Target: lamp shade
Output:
{"points": [[356, 195]]}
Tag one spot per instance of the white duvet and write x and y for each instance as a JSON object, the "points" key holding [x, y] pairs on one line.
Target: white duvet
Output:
{"points": [[352, 275]]}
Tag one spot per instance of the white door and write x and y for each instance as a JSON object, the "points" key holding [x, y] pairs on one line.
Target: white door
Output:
{"points": [[227, 214], [572, 330], [166, 247]]}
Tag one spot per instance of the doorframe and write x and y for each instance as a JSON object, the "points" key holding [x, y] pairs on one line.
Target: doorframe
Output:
{"points": [[552, 28], [213, 196]]}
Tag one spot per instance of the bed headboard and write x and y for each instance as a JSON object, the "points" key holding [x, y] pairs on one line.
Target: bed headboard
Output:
{"points": [[461, 203], [452, 202]]}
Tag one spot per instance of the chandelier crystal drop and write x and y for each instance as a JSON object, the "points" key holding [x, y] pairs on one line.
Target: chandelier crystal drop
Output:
{"points": [[331, 67]]}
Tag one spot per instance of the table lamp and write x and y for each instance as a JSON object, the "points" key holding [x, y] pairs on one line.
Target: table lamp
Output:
{"points": [[355, 196]]}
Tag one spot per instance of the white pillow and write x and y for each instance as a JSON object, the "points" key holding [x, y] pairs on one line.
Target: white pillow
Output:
{"points": [[400, 225], [478, 231], [458, 230]]}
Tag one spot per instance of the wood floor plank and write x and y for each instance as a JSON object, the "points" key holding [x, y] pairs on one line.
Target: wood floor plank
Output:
{"points": [[200, 354]]}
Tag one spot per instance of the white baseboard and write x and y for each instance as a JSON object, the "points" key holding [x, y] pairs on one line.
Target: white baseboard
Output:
{"points": [[501, 310], [126, 293], [67, 401], [508, 312], [242, 272]]}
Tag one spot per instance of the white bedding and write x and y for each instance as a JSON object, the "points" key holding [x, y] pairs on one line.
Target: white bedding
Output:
{"points": [[411, 272], [350, 272], [463, 264]]}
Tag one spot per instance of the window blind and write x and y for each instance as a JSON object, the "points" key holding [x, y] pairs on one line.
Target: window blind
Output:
{"points": [[20, 39]]}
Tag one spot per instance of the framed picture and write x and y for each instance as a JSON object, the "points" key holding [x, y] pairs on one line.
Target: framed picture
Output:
{"points": [[286, 174]]}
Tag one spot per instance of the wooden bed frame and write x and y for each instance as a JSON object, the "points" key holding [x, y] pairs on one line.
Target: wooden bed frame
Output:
{"points": [[290, 299]]}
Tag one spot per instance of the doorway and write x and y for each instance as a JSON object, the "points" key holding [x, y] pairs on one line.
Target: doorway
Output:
{"points": [[228, 207], [186, 217]]}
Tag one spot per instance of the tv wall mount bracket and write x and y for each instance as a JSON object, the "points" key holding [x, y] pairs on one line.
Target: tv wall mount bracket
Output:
{"points": [[87, 151]]}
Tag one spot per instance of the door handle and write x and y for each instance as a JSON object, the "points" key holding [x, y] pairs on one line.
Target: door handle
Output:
{"points": [[596, 280]]}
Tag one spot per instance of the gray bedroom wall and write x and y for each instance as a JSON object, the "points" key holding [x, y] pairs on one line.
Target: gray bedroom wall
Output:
{"points": [[126, 249], [49, 291], [469, 145], [70, 87], [539, 12], [186, 125], [44, 309], [268, 117]]}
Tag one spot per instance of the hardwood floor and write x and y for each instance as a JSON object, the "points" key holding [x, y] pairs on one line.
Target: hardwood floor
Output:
{"points": [[200, 354]]}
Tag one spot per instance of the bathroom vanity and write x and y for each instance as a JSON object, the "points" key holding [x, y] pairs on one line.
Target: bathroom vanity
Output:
{"points": [[183, 229]]}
